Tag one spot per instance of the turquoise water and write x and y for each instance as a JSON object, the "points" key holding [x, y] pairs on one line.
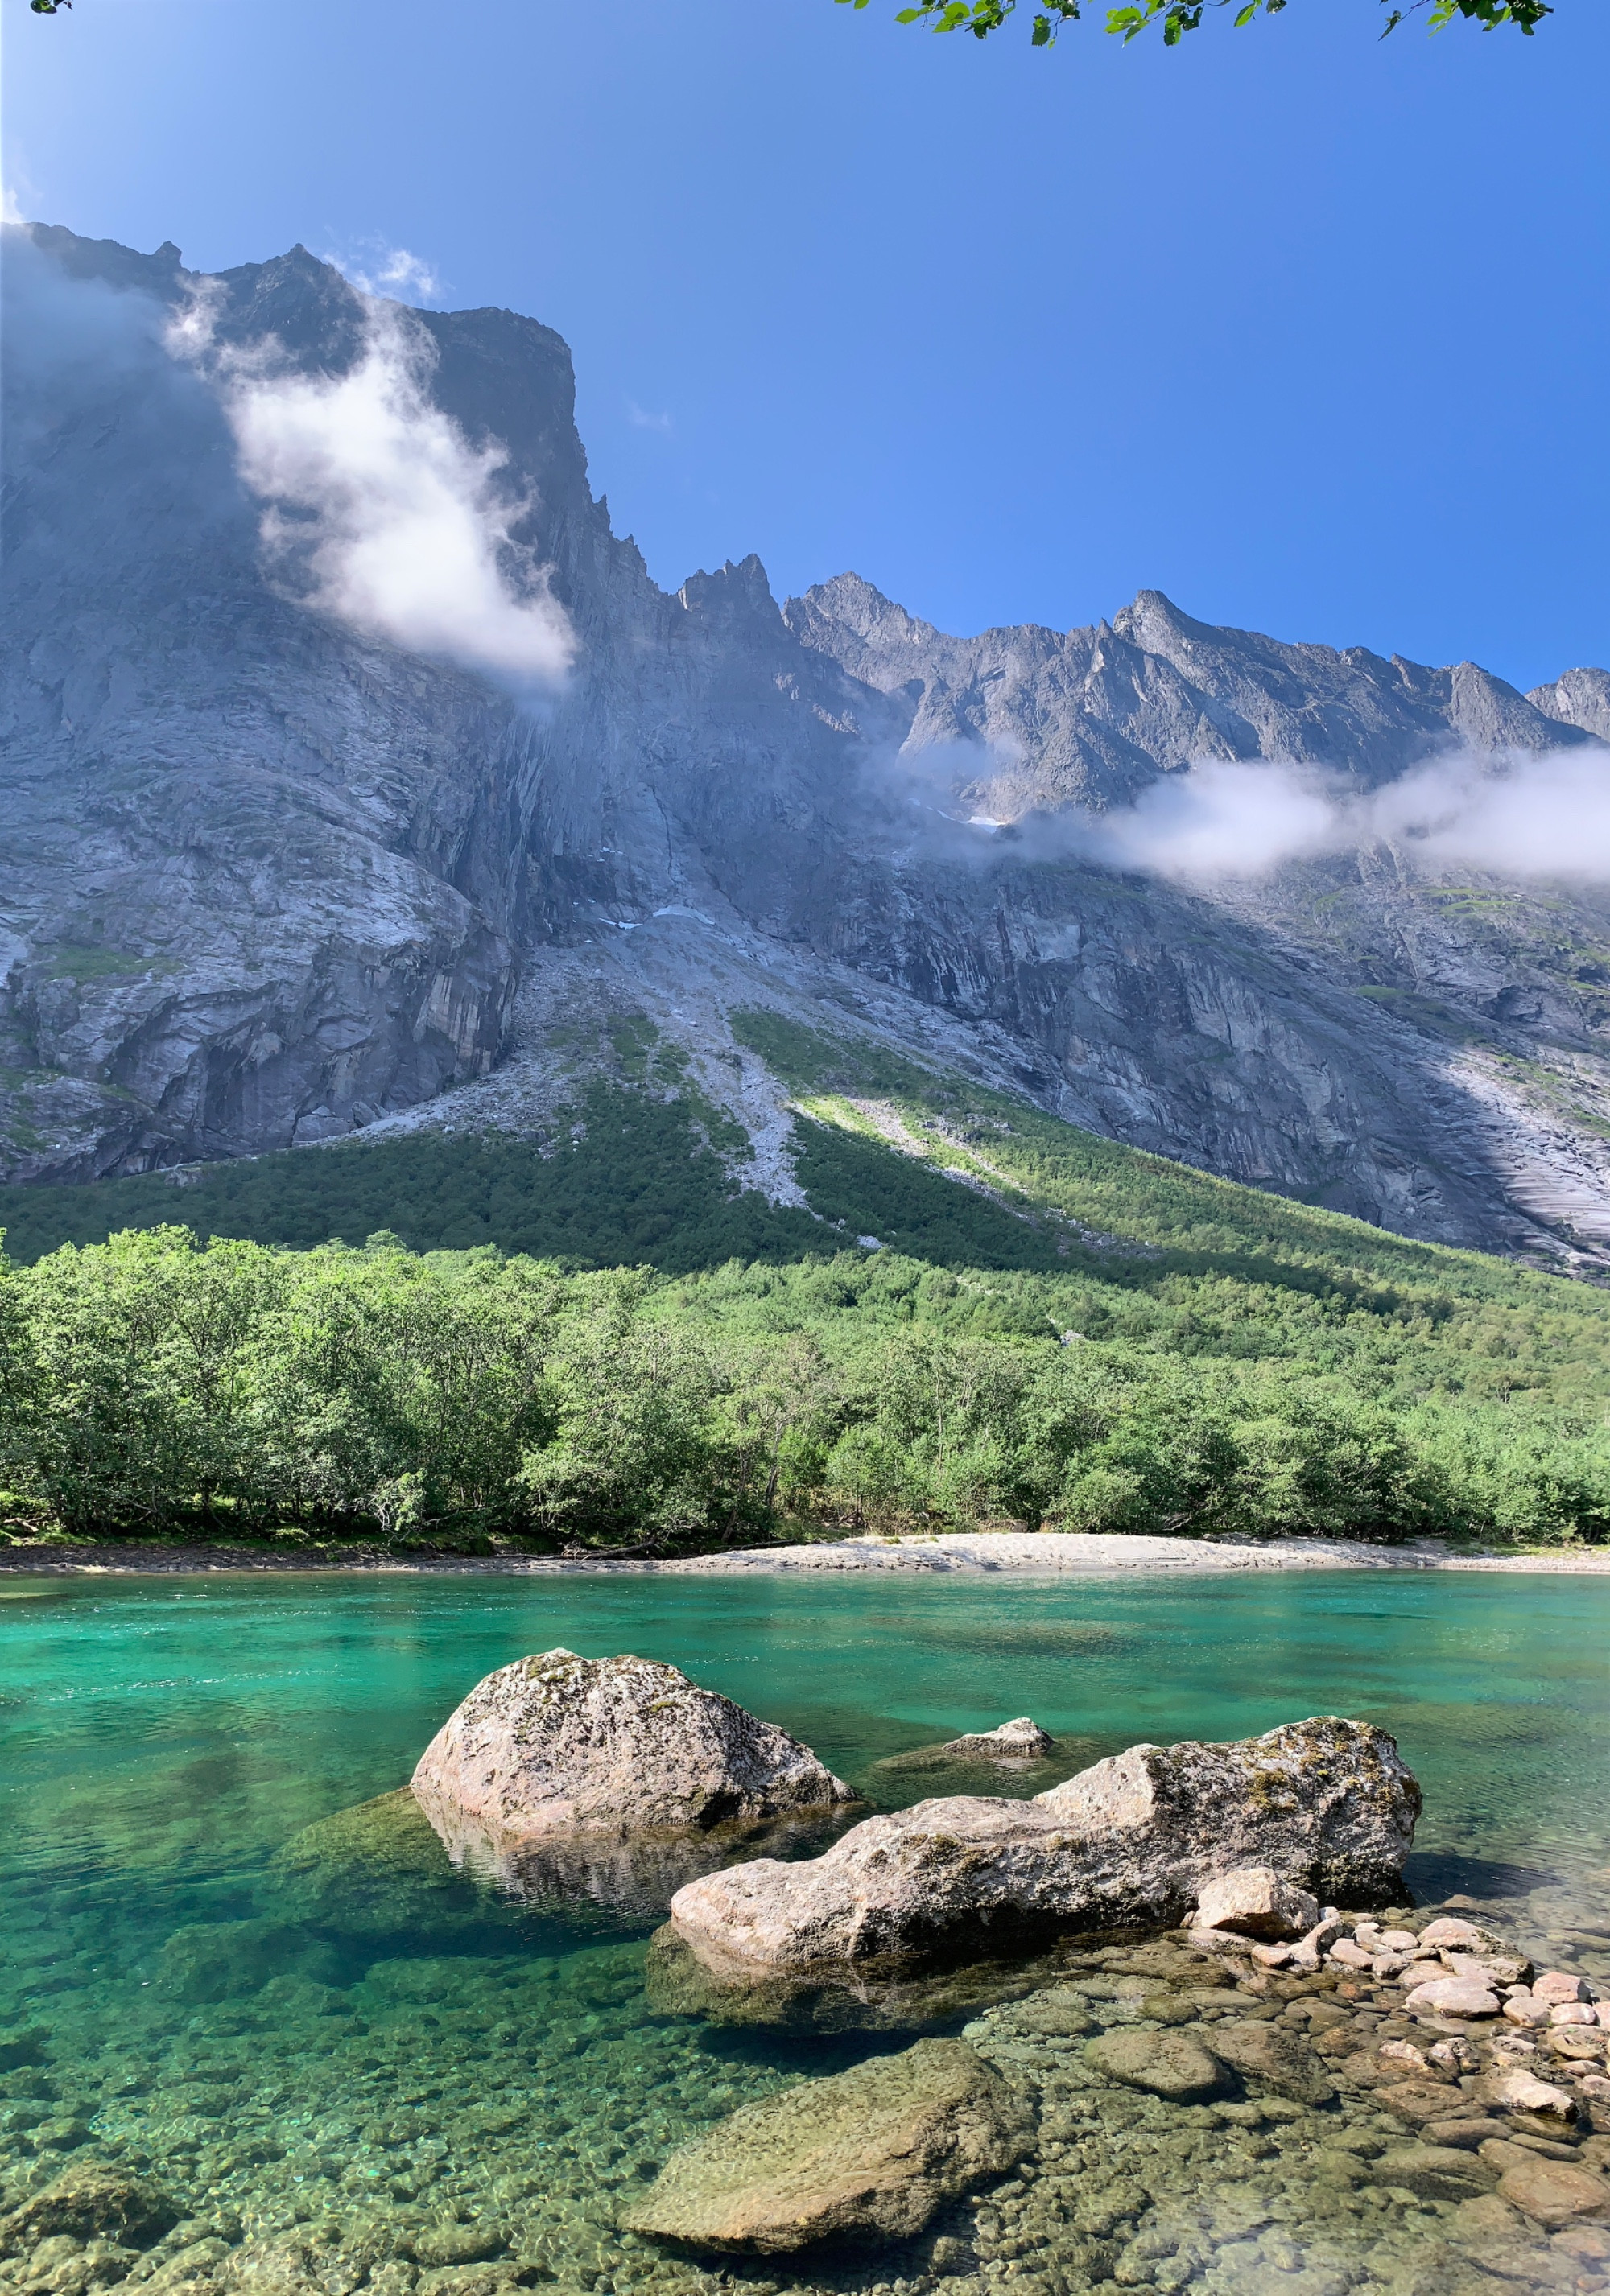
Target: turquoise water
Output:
{"points": [[426, 2085]]}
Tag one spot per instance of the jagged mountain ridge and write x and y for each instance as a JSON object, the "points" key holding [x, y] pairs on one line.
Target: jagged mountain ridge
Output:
{"points": [[270, 882]]}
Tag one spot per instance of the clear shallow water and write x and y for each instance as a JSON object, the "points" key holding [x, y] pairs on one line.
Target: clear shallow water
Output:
{"points": [[415, 2083]]}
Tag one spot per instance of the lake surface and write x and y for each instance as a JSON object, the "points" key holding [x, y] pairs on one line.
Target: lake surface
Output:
{"points": [[352, 2066]]}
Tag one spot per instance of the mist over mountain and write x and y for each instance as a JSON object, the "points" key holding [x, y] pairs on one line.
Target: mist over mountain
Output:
{"points": [[356, 768]]}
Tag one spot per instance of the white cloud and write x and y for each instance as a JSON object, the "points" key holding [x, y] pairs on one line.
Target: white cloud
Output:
{"points": [[384, 270], [1518, 815], [377, 507], [640, 419]]}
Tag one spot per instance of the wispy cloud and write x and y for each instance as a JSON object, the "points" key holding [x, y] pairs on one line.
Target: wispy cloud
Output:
{"points": [[640, 419], [1517, 815], [377, 510], [380, 269]]}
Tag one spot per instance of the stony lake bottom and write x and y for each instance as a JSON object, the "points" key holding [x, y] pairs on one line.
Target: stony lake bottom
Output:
{"points": [[349, 2066]]}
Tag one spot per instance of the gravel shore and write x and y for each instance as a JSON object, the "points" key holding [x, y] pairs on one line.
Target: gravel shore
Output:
{"points": [[1019, 1553]]}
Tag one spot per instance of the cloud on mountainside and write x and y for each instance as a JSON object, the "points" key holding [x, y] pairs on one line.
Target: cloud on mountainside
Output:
{"points": [[377, 506], [1518, 815]]}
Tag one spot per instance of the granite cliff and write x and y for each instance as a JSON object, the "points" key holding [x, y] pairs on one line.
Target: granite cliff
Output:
{"points": [[272, 877]]}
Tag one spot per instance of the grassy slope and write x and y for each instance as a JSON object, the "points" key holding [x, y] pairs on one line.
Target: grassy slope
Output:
{"points": [[1060, 1230]]}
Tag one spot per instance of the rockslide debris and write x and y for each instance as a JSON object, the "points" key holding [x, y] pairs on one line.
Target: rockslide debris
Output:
{"points": [[1328, 1804]]}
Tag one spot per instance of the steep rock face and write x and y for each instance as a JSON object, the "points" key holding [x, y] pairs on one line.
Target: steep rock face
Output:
{"points": [[271, 879]]}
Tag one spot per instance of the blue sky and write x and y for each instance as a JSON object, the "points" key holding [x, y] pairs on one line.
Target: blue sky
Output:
{"points": [[1308, 330]]}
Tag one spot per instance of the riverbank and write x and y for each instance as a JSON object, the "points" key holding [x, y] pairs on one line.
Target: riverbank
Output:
{"points": [[968, 1553]]}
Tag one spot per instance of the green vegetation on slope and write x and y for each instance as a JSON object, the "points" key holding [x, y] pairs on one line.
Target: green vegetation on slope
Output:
{"points": [[1055, 1329], [633, 1180]]}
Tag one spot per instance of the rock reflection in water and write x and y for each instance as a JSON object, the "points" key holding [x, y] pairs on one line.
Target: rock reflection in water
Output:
{"points": [[629, 1878], [859, 1997]]}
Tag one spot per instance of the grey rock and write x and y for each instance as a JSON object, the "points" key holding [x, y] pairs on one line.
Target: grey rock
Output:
{"points": [[1020, 1741], [869, 2154], [1254, 1901], [560, 1745], [269, 882], [1327, 1802]]}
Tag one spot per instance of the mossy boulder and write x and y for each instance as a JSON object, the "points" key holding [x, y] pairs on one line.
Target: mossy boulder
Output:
{"points": [[870, 2153]]}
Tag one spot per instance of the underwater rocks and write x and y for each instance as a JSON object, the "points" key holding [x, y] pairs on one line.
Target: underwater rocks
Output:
{"points": [[93, 2201], [1168, 2064], [378, 1871], [558, 1744], [871, 2153], [1328, 1803]]}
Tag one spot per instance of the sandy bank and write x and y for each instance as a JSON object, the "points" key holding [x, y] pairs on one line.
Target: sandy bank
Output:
{"points": [[1004, 1554]]}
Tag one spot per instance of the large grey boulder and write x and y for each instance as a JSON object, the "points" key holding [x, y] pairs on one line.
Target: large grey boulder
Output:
{"points": [[873, 2152], [1327, 1803], [558, 1744]]}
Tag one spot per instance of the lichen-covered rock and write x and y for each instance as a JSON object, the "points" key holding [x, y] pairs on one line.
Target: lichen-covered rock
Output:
{"points": [[1253, 1901], [873, 2152], [1328, 1804], [559, 1744]]}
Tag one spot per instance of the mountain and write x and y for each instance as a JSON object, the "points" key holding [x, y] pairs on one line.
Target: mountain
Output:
{"points": [[276, 877]]}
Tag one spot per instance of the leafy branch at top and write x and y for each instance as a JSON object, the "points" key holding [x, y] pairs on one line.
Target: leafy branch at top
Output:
{"points": [[1178, 17]]}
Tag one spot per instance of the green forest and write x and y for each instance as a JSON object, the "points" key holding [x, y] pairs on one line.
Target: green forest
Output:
{"points": [[982, 1317]]}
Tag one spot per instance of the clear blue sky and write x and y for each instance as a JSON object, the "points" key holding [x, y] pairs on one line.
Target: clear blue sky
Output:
{"points": [[1309, 330]]}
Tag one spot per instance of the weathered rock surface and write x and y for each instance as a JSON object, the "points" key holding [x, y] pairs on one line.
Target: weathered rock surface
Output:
{"points": [[273, 881], [1255, 1902], [1512, 2089], [1553, 2191], [1168, 2064], [1019, 1741], [870, 2152], [1329, 1803], [558, 1744]]}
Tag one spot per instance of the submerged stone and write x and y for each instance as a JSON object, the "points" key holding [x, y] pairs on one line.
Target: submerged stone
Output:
{"points": [[869, 2152], [1553, 2191], [1276, 2059], [1168, 2064], [91, 2200]]}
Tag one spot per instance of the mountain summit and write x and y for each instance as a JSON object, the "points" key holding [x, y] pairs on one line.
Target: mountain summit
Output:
{"points": [[295, 851]]}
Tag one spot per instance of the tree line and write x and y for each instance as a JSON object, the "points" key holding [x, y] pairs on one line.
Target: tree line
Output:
{"points": [[157, 1385]]}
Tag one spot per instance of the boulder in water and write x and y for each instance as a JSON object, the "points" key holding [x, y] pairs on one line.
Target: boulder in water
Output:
{"points": [[871, 2153], [1019, 1741], [1328, 1804], [558, 1744]]}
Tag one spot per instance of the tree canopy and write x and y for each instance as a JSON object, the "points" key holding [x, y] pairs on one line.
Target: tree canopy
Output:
{"points": [[1178, 17]]}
